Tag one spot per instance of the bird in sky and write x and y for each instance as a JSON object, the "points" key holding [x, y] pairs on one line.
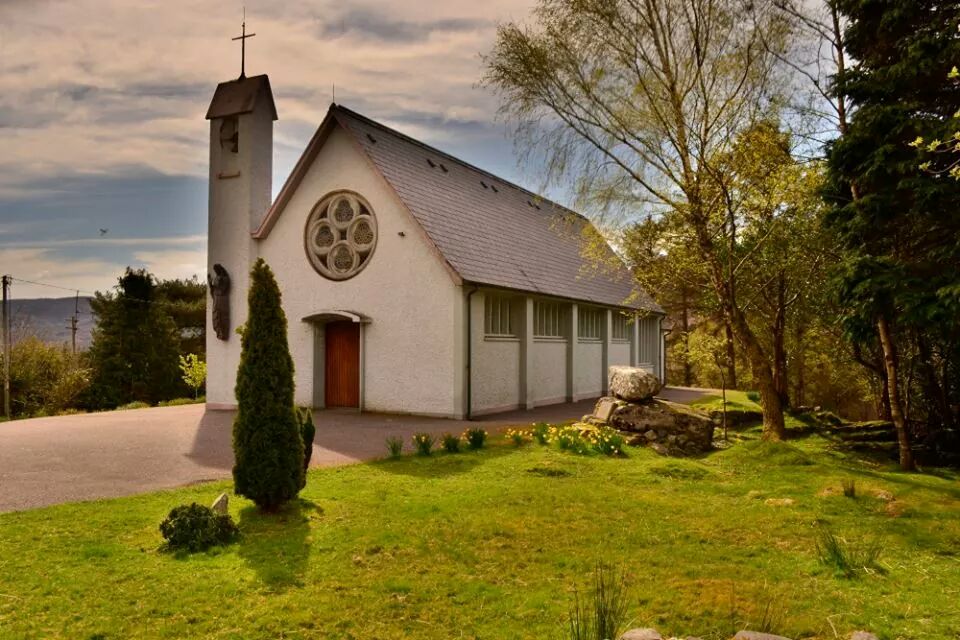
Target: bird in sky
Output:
{"points": [[103, 232]]}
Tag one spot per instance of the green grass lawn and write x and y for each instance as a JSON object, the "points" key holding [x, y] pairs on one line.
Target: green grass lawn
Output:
{"points": [[491, 544]]}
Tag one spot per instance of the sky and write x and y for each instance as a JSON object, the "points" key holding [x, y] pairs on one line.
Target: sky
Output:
{"points": [[102, 107]]}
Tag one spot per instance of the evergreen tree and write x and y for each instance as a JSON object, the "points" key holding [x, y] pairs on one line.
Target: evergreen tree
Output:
{"points": [[133, 355], [267, 443], [900, 228]]}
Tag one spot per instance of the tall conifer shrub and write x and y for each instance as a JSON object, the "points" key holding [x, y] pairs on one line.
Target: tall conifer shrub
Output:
{"points": [[267, 444]]}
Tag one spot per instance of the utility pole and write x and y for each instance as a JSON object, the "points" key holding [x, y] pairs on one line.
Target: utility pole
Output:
{"points": [[6, 346], [73, 323]]}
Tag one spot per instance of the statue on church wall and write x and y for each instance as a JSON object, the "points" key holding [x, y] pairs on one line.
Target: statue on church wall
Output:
{"points": [[220, 292]]}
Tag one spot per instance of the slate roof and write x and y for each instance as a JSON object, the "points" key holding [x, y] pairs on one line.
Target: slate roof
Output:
{"points": [[490, 231], [240, 96]]}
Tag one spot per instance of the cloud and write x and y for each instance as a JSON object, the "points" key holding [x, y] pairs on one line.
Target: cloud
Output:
{"points": [[102, 107]]}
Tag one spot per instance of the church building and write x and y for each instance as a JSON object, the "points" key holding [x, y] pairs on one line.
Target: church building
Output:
{"points": [[412, 281]]}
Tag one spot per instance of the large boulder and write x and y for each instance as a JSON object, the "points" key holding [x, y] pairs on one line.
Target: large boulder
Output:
{"points": [[633, 384], [679, 429]]}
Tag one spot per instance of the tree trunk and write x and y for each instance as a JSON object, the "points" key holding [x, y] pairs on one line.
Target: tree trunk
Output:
{"points": [[731, 356], [685, 320], [779, 346], [896, 408], [799, 392], [773, 425], [883, 406]]}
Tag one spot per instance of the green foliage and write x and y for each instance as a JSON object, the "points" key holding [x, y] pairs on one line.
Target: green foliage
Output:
{"points": [[267, 439], [541, 432], [608, 441], [450, 443], [194, 527], [423, 443], [177, 402], [44, 378], [517, 436], [134, 352], [602, 614], [308, 432], [395, 446], [185, 302], [849, 487], [194, 372], [136, 404], [897, 227], [848, 559], [475, 437]]}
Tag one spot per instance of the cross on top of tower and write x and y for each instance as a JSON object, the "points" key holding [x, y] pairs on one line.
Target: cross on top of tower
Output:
{"points": [[243, 45]]}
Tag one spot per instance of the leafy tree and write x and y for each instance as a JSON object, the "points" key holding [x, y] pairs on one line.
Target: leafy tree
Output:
{"points": [[639, 103], [185, 301], [900, 230], [267, 441], [133, 355], [194, 372]]}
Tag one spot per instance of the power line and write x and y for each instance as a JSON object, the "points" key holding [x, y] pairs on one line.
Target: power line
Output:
{"points": [[88, 293]]}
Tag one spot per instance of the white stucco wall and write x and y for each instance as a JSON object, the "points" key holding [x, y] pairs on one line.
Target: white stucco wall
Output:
{"points": [[588, 377], [620, 353], [495, 384], [410, 297], [548, 371], [239, 195]]}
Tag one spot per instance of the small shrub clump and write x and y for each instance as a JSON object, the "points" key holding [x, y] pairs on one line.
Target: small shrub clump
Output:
{"points": [[307, 433], [423, 443], [395, 446], [450, 442], [194, 527], [541, 433], [849, 487], [475, 438], [608, 441], [848, 560], [517, 436], [136, 404]]}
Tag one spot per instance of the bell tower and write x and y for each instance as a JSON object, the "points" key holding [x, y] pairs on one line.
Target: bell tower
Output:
{"points": [[241, 117]]}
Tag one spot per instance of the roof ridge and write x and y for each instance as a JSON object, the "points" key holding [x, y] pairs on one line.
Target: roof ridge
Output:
{"points": [[435, 150]]}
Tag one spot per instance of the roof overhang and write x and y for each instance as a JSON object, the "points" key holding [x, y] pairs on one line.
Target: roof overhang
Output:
{"points": [[336, 315]]}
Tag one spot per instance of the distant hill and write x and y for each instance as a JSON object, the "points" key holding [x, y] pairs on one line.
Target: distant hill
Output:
{"points": [[48, 319]]}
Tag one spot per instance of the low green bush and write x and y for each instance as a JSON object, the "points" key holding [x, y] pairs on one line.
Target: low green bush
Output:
{"points": [[608, 441], [847, 559], [475, 438], [177, 402], [194, 527], [541, 432], [423, 443], [136, 404], [395, 446], [307, 431], [450, 443]]}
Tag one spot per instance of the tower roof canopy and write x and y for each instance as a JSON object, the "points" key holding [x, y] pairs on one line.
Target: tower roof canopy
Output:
{"points": [[241, 96]]}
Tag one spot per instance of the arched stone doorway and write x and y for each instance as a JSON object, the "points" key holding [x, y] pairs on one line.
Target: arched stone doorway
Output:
{"points": [[338, 358]]}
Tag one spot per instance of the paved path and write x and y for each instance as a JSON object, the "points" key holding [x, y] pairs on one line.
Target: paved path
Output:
{"points": [[47, 461]]}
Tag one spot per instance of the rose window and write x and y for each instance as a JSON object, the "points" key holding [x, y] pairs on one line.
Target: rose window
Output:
{"points": [[341, 235]]}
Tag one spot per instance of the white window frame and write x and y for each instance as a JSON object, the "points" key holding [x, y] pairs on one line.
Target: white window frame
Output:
{"points": [[548, 320], [498, 317], [620, 327], [590, 324]]}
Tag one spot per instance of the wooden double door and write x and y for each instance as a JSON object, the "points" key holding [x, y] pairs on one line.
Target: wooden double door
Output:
{"points": [[342, 367]]}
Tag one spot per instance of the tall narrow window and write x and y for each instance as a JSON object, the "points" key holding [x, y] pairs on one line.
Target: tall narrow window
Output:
{"points": [[620, 327], [589, 323], [547, 320], [649, 340], [498, 316]]}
